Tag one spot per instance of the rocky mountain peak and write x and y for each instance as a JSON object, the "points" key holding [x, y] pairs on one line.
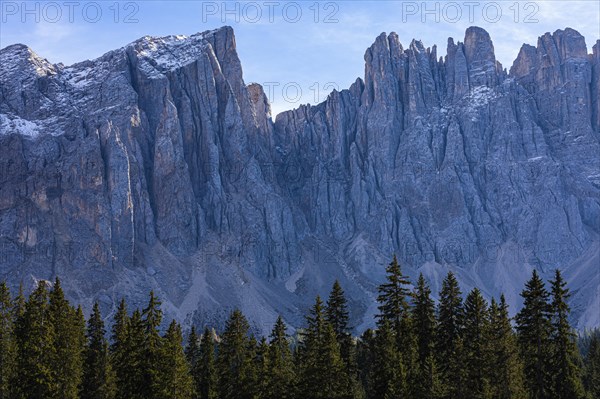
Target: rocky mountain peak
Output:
{"points": [[156, 167], [551, 51], [524, 62], [18, 59], [478, 43], [175, 51], [568, 42], [560, 60], [417, 46], [481, 60]]}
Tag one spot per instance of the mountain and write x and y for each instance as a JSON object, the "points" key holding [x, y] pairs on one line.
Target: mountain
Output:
{"points": [[156, 167]]}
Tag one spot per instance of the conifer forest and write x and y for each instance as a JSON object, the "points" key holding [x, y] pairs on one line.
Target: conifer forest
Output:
{"points": [[461, 347]]}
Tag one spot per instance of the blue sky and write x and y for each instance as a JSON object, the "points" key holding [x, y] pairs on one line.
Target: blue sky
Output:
{"points": [[301, 47]]}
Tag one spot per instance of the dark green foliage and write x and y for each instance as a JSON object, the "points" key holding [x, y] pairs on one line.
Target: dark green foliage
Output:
{"points": [[119, 354], [192, 355], [585, 338], [365, 355], [423, 315], [449, 338], [235, 361], [152, 347], [8, 346], [462, 351], [565, 365], [35, 349], [192, 349], [68, 344], [261, 367], [592, 367], [393, 294], [133, 377], [175, 380], [18, 311], [253, 384], [280, 373], [98, 377], [336, 313], [475, 349], [394, 309], [426, 384], [505, 367], [322, 373], [387, 378], [534, 327], [205, 372]]}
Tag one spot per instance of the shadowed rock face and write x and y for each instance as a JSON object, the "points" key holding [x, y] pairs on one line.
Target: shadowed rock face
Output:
{"points": [[156, 167]]}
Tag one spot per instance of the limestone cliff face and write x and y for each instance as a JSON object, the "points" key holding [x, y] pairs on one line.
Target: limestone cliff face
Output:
{"points": [[155, 166]]}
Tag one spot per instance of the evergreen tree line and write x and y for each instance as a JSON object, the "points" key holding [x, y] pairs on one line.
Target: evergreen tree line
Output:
{"points": [[459, 349]]}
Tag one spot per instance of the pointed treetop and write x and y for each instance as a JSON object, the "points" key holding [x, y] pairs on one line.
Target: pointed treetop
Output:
{"points": [[393, 294], [337, 310], [279, 330]]}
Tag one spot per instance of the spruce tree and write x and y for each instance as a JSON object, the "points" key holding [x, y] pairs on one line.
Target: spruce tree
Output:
{"points": [[427, 384], [252, 375], [98, 377], [192, 349], [68, 344], [192, 355], [35, 349], [119, 351], [592, 367], [565, 363], [506, 368], [394, 308], [235, 360], [205, 372], [19, 304], [388, 375], [337, 315], [152, 316], [129, 359], [7, 342], [533, 326], [176, 381], [322, 373], [137, 358], [392, 298], [365, 355], [336, 311], [261, 361], [336, 381], [449, 338], [78, 328], [280, 367], [18, 312], [80, 331], [476, 357]]}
